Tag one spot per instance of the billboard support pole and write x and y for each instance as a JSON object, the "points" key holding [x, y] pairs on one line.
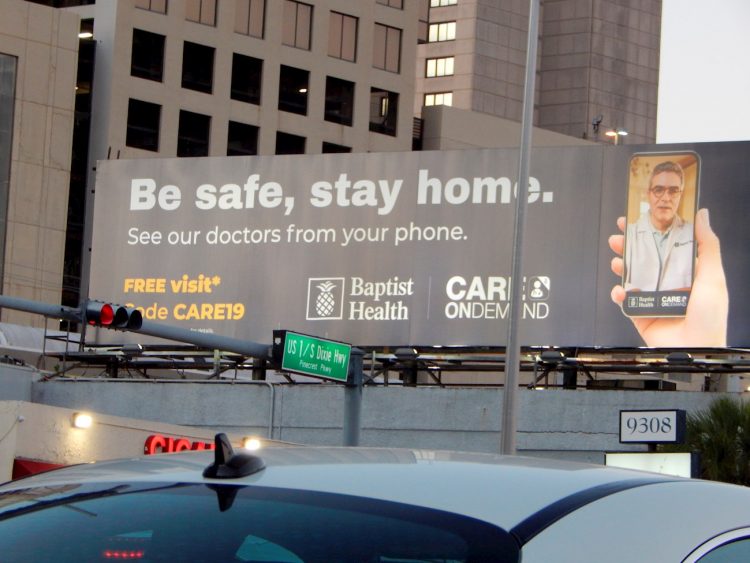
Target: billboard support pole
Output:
{"points": [[353, 400], [512, 349]]}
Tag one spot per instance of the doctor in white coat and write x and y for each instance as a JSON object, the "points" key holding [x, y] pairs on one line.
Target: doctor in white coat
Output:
{"points": [[659, 246]]}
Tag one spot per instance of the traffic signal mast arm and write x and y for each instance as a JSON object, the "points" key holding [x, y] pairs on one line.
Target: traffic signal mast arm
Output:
{"points": [[118, 317]]}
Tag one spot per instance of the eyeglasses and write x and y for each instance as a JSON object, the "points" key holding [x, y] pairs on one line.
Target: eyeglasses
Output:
{"points": [[658, 191]]}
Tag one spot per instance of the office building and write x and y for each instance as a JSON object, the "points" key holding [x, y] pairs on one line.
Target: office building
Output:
{"points": [[260, 77]]}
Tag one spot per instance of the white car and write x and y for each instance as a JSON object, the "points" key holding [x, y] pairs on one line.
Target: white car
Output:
{"points": [[366, 505]]}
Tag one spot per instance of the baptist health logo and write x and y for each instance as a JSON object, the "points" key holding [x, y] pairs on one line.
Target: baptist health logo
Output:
{"points": [[325, 299]]}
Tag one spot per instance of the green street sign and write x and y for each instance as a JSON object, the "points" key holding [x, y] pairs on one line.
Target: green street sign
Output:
{"points": [[316, 357]]}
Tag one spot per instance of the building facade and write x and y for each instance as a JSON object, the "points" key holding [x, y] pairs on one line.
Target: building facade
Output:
{"points": [[38, 61], [597, 67], [256, 77]]}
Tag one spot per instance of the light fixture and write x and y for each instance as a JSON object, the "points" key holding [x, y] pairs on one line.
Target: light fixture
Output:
{"points": [[85, 35], [616, 133], [302, 90], [251, 443], [82, 420]]}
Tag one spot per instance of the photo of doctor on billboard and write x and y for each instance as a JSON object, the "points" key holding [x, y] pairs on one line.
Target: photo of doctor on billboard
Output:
{"points": [[659, 253]]}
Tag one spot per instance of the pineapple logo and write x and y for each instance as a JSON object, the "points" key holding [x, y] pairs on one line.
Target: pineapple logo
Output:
{"points": [[325, 298]]}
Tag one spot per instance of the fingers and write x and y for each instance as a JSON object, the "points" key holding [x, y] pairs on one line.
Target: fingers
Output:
{"points": [[618, 294], [617, 266], [616, 243], [621, 223]]}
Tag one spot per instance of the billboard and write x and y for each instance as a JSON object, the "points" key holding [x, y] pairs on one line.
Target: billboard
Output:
{"points": [[413, 248]]}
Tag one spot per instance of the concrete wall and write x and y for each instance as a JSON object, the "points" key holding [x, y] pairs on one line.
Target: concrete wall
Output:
{"points": [[15, 382], [448, 128], [556, 423], [46, 434]]}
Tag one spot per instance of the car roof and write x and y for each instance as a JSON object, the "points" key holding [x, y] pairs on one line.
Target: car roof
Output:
{"points": [[503, 490]]}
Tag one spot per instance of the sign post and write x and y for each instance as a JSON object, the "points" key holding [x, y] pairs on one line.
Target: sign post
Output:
{"points": [[326, 359], [312, 356]]}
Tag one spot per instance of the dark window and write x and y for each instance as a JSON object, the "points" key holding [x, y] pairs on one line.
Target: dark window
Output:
{"points": [[333, 147], [247, 73], [152, 5], [193, 135], [339, 100], [731, 552], [242, 139], [392, 3], [424, 20], [147, 58], [143, 125], [286, 143], [197, 67], [383, 111], [293, 84], [247, 523], [249, 17], [297, 24], [342, 37], [386, 53], [201, 11]]}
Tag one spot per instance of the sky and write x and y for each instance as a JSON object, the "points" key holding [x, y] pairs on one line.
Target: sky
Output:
{"points": [[704, 82]]}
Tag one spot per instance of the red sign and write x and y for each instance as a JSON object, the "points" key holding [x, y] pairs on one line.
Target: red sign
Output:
{"points": [[159, 444]]}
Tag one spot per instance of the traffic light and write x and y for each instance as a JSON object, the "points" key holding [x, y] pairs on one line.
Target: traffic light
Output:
{"points": [[110, 315]]}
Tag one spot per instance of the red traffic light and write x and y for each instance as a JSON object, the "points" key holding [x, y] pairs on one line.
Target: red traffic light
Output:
{"points": [[113, 316], [99, 314]]}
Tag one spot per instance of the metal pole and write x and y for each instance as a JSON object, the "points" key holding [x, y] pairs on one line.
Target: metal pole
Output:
{"points": [[353, 400], [204, 340], [512, 349]]}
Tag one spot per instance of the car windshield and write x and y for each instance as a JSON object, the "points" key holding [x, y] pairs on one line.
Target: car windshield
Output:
{"points": [[197, 522]]}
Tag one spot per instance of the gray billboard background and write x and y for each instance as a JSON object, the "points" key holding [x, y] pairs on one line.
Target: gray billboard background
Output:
{"points": [[434, 292]]}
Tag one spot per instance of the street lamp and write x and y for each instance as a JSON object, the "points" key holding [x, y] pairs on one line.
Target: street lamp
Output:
{"points": [[616, 133]]}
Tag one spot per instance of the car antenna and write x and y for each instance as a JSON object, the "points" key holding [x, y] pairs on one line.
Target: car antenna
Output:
{"points": [[230, 465]]}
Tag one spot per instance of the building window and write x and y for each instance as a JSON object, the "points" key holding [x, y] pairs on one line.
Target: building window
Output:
{"points": [[201, 11], [342, 37], [297, 26], [286, 143], [247, 74], [387, 48], [143, 125], [392, 3], [242, 139], [197, 67], [445, 31], [339, 100], [147, 57], [439, 3], [293, 84], [193, 134], [334, 148], [249, 17], [439, 67], [439, 99], [383, 111], [152, 5]]}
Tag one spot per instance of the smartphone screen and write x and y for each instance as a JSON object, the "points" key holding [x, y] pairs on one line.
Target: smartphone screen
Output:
{"points": [[659, 253]]}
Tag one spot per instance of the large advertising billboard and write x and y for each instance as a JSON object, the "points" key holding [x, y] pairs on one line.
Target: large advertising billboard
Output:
{"points": [[395, 249]]}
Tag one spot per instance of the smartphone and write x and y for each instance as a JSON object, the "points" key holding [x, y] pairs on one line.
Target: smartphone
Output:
{"points": [[660, 248]]}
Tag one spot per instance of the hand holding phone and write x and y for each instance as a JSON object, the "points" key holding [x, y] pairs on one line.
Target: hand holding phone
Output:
{"points": [[705, 322]]}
